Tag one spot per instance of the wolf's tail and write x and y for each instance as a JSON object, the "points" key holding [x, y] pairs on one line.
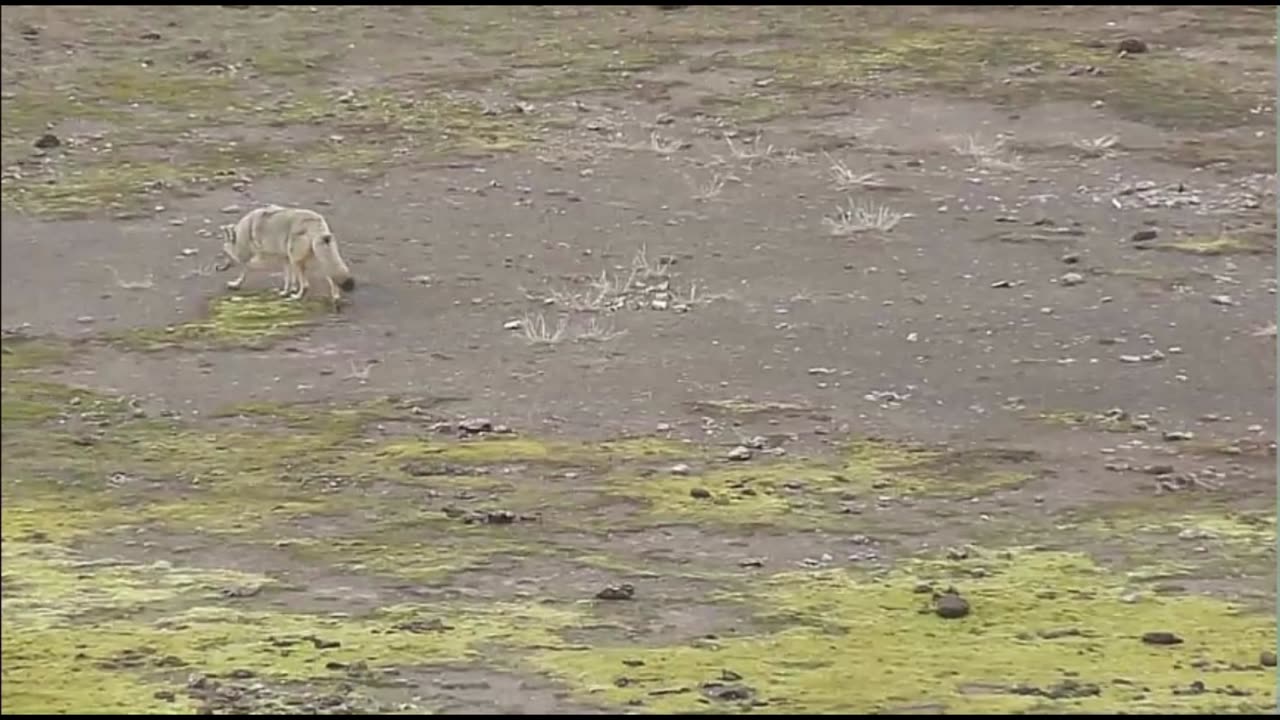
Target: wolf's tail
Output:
{"points": [[326, 249]]}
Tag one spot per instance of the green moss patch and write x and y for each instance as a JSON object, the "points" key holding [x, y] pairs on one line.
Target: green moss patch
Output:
{"points": [[247, 320], [27, 402], [1161, 89], [806, 492], [74, 641], [29, 353], [1048, 632], [499, 450], [1218, 245]]}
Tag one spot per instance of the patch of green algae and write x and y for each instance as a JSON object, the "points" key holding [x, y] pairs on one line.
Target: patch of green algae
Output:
{"points": [[805, 491], [69, 622], [1199, 543], [36, 401], [1217, 245], [250, 320], [26, 353], [1165, 90], [1246, 529], [305, 476], [47, 666], [865, 644], [489, 451]]}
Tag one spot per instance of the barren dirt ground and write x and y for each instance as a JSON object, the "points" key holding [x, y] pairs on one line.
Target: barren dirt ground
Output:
{"points": [[707, 359]]}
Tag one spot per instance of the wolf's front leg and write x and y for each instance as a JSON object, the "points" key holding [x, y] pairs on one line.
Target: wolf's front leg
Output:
{"points": [[232, 260], [288, 280], [238, 282], [299, 274]]}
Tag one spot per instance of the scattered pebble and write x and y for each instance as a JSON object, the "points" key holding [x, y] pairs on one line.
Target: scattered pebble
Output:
{"points": [[739, 453], [700, 493], [47, 141], [1070, 279], [1222, 300], [1161, 638], [680, 469], [1144, 235], [1267, 658], [624, 591], [1153, 356], [475, 425], [1132, 46]]}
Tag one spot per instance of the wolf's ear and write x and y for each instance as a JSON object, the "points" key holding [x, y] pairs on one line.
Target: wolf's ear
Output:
{"points": [[326, 239]]}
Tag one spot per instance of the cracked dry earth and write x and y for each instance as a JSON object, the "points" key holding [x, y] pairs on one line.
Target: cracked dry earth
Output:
{"points": [[710, 359]]}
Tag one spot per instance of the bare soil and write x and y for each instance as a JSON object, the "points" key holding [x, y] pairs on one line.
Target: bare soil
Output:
{"points": [[1074, 290]]}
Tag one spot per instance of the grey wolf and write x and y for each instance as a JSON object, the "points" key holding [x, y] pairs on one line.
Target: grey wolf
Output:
{"points": [[293, 237]]}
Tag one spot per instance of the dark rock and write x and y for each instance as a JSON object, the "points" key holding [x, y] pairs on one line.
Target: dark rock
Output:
{"points": [[625, 591], [950, 606], [700, 493], [166, 695], [1161, 638], [150, 35], [489, 517], [47, 141], [322, 644], [1132, 46], [1267, 658], [1144, 235], [500, 517]]}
